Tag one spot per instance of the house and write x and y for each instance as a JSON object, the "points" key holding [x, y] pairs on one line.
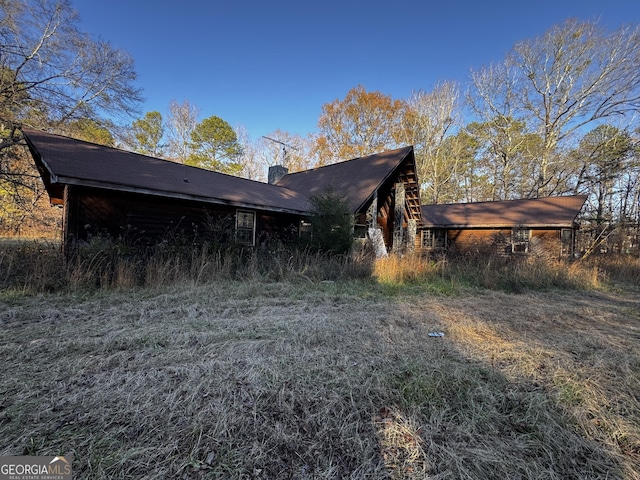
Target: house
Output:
{"points": [[503, 227], [121, 194]]}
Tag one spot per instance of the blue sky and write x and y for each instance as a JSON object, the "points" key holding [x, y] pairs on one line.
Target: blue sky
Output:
{"points": [[272, 65]]}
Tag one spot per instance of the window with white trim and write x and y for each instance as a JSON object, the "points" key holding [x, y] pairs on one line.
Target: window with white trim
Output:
{"points": [[305, 230], [520, 240], [245, 227], [434, 238]]}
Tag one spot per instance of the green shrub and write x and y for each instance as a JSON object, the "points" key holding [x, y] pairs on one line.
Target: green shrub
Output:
{"points": [[332, 222]]}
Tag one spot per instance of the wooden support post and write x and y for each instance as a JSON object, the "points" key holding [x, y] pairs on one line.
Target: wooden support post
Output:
{"points": [[398, 219]]}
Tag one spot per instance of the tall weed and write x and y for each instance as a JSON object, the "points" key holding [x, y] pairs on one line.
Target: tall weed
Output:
{"points": [[510, 274], [36, 266], [39, 267]]}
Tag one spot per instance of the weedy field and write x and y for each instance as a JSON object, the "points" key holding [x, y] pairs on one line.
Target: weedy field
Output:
{"points": [[316, 380]]}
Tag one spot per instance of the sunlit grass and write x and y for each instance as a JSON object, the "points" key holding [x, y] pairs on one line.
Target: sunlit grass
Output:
{"points": [[281, 379], [511, 274]]}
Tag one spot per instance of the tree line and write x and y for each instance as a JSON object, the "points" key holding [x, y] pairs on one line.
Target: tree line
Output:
{"points": [[212, 143], [557, 115]]}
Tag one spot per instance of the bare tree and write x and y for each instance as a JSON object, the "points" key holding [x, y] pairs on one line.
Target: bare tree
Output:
{"points": [[573, 76], [251, 165], [52, 73], [428, 119], [502, 133], [275, 148], [182, 121], [54, 77], [607, 155], [504, 158], [293, 152]]}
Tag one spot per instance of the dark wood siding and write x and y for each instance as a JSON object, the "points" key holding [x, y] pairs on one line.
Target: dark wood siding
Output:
{"points": [[499, 241], [147, 219]]}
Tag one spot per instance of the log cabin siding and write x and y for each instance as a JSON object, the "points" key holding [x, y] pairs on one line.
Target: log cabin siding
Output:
{"points": [[499, 241], [139, 198], [145, 219], [543, 226], [123, 194]]}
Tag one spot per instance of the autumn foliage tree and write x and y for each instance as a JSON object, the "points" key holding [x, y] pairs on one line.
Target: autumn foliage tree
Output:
{"points": [[370, 122], [361, 124]]}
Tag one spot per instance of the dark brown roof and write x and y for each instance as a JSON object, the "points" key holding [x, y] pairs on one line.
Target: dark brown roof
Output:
{"points": [[75, 162], [537, 212], [357, 179], [64, 160]]}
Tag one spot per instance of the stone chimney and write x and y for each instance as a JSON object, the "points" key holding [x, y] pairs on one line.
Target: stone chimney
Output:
{"points": [[276, 172]]}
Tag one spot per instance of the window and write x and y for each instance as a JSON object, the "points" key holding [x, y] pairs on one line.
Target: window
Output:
{"points": [[566, 239], [434, 238], [245, 227], [520, 240], [305, 230], [360, 231]]}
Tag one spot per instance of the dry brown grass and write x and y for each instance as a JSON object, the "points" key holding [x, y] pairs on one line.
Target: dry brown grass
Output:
{"points": [[323, 380], [511, 274], [36, 265], [580, 351], [620, 268]]}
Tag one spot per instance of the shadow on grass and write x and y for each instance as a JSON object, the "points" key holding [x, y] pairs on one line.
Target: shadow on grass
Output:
{"points": [[538, 388]]}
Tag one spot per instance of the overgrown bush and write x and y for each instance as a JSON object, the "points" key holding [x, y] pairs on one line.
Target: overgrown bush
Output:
{"points": [[31, 265], [621, 268], [40, 266], [332, 222]]}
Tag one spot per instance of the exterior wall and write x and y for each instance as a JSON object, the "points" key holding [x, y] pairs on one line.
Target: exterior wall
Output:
{"points": [[146, 219], [548, 242]]}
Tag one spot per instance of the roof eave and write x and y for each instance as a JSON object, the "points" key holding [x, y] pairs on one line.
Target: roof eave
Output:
{"points": [[498, 226], [39, 158]]}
